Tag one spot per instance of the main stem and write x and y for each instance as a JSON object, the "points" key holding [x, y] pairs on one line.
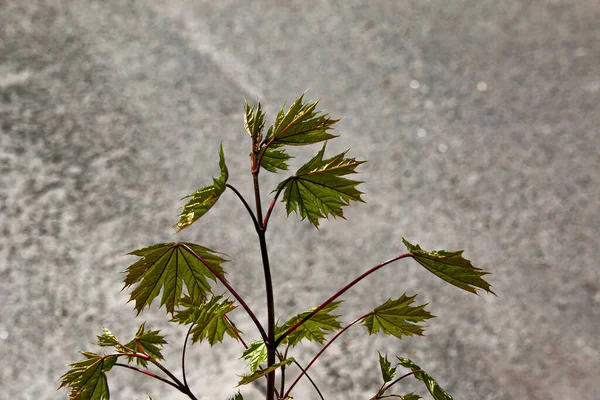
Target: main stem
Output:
{"points": [[261, 231]]}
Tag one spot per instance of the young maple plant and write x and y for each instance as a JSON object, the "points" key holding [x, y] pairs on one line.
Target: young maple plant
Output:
{"points": [[188, 275]]}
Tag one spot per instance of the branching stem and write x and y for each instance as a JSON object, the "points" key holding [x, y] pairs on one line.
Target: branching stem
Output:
{"points": [[338, 334], [338, 294], [243, 200], [231, 290]]}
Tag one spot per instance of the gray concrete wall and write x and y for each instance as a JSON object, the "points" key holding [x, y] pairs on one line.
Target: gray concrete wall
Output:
{"points": [[480, 123]]}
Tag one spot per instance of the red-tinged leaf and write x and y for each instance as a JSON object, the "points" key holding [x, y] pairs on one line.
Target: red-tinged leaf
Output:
{"points": [[318, 190], [87, 378], [397, 318], [147, 342], [451, 267], [300, 125], [315, 328], [208, 318], [203, 199], [168, 267]]}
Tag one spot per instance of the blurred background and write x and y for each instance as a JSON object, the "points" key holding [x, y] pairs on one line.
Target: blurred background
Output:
{"points": [[480, 123]]}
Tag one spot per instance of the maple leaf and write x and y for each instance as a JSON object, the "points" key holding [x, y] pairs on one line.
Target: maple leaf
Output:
{"points": [[146, 342], [434, 388], [274, 159], [107, 339], [397, 318], [168, 266], [246, 379], [411, 396], [203, 199], [208, 318], [315, 328], [87, 378], [387, 371], [318, 189], [254, 120], [300, 125], [451, 267], [255, 354]]}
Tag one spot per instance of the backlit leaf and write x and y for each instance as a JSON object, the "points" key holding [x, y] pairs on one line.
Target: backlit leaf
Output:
{"points": [[315, 328], [146, 342], [451, 267], [318, 189], [255, 354], [208, 318], [300, 125], [387, 371], [411, 396], [107, 339], [246, 379], [237, 396], [168, 267], [203, 199], [87, 378], [275, 159], [397, 318], [254, 120], [436, 390]]}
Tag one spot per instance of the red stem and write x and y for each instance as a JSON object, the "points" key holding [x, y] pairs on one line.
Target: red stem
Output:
{"points": [[322, 351], [230, 288], [338, 294]]}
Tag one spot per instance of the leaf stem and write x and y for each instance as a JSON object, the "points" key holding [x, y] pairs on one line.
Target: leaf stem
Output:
{"points": [[230, 288], [338, 334], [150, 374], [338, 294], [272, 205], [243, 200], [386, 388], [183, 355]]}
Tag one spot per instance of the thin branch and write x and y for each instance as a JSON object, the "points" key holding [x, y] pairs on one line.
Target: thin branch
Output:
{"points": [[310, 380], [243, 200], [272, 205], [183, 355], [323, 350], [338, 294], [231, 290], [150, 374], [385, 389], [235, 330]]}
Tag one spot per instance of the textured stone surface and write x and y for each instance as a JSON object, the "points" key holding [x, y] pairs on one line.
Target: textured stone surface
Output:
{"points": [[479, 118]]}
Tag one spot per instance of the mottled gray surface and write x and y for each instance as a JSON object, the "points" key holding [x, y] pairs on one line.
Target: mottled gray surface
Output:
{"points": [[480, 123]]}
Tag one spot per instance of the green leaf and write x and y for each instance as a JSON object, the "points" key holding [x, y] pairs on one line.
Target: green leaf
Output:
{"points": [[451, 267], [315, 328], [203, 199], [148, 397], [255, 354], [168, 266], [397, 318], [387, 371], [300, 125], [436, 390], [275, 159], [246, 379], [107, 339], [254, 120], [208, 318], [237, 396], [87, 378], [146, 342], [318, 189]]}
